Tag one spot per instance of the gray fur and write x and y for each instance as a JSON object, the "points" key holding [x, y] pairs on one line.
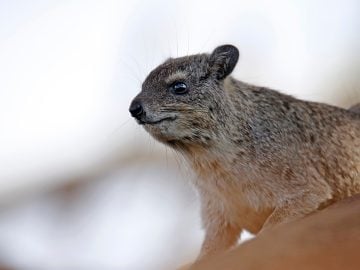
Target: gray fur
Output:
{"points": [[261, 157]]}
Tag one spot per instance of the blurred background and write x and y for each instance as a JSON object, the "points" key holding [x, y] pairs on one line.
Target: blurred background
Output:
{"points": [[81, 185]]}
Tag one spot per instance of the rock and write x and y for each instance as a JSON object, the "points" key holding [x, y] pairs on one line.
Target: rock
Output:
{"points": [[328, 239]]}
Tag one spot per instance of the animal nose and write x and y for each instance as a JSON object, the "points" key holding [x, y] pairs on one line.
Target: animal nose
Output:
{"points": [[136, 109]]}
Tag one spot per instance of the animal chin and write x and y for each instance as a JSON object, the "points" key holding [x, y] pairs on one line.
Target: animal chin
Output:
{"points": [[161, 130]]}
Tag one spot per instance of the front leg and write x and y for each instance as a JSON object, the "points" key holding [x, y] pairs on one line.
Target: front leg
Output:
{"points": [[220, 233], [219, 237]]}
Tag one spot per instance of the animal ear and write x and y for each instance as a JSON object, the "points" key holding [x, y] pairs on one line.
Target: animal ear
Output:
{"points": [[223, 60]]}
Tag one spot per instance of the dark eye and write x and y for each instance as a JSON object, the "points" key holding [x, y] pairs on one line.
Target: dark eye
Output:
{"points": [[179, 88]]}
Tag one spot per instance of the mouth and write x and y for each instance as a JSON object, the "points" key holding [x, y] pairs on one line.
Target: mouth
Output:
{"points": [[148, 122]]}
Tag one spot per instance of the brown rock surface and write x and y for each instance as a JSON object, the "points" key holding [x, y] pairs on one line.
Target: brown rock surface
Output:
{"points": [[329, 239]]}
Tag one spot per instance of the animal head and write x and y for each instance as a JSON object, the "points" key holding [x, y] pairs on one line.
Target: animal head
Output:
{"points": [[182, 100]]}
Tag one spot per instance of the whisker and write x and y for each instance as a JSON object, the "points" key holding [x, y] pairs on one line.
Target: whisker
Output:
{"points": [[140, 69], [114, 132], [131, 69], [182, 109], [212, 32], [166, 155]]}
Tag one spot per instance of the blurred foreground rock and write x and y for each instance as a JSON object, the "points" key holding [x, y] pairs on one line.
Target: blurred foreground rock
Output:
{"points": [[329, 239]]}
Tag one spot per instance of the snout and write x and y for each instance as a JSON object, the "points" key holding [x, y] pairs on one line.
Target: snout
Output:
{"points": [[136, 109], [147, 116]]}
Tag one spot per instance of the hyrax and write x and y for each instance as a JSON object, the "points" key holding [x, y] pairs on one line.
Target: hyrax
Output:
{"points": [[261, 157]]}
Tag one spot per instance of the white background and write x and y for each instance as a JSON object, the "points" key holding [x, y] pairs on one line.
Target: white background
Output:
{"points": [[68, 71]]}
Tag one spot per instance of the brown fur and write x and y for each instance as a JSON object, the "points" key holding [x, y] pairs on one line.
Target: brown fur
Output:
{"points": [[261, 157]]}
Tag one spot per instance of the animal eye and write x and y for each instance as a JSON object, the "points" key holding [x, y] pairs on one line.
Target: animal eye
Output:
{"points": [[179, 88]]}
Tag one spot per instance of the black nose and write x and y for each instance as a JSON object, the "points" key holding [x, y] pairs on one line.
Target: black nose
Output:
{"points": [[136, 109]]}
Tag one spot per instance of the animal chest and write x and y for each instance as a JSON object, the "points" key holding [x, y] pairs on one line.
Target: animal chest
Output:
{"points": [[238, 200]]}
